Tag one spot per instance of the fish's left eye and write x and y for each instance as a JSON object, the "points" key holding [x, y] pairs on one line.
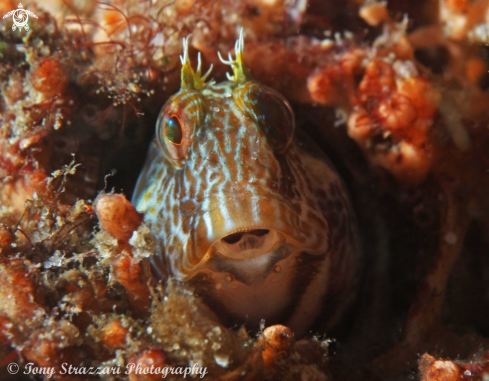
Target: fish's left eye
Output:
{"points": [[270, 110], [278, 117]]}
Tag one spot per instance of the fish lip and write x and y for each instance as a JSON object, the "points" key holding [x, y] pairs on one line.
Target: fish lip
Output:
{"points": [[211, 225], [273, 240]]}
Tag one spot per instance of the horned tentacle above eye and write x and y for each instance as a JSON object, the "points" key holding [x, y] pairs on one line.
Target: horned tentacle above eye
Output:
{"points": [[192, 79], [240, 72]]}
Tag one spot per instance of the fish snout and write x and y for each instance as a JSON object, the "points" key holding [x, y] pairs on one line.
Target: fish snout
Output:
{"points": [[246, 228], [248, 244]]}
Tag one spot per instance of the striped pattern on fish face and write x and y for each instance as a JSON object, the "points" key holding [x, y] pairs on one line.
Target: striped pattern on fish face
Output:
{"points": [[256, 221]]}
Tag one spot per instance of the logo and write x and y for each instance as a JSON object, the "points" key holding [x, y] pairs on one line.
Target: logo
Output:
{"points": [[20, 17]]}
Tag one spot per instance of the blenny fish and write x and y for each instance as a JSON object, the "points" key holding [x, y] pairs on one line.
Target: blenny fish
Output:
{"points": [[247, 211]]}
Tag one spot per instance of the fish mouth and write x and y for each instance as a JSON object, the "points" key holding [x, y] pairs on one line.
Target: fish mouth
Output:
{"points": [[248, 244], [246, 227]]}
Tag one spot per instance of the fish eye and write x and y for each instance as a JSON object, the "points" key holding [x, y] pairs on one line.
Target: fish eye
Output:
{"points": [[270, 110], [279, 120], [173, 134], [173, 130], [176, 125]]}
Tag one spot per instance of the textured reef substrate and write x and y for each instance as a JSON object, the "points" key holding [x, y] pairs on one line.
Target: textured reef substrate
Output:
{"points": [[395, 93]]}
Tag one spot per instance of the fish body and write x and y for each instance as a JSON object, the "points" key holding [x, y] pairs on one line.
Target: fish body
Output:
{"points": [[245, 210]]}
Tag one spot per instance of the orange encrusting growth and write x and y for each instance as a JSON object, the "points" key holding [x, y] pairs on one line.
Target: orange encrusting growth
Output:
{"points": [[117, 215], [49, 77], [397, 108], [114, 334], [149, 359], [277, 341], [135, 277]]}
